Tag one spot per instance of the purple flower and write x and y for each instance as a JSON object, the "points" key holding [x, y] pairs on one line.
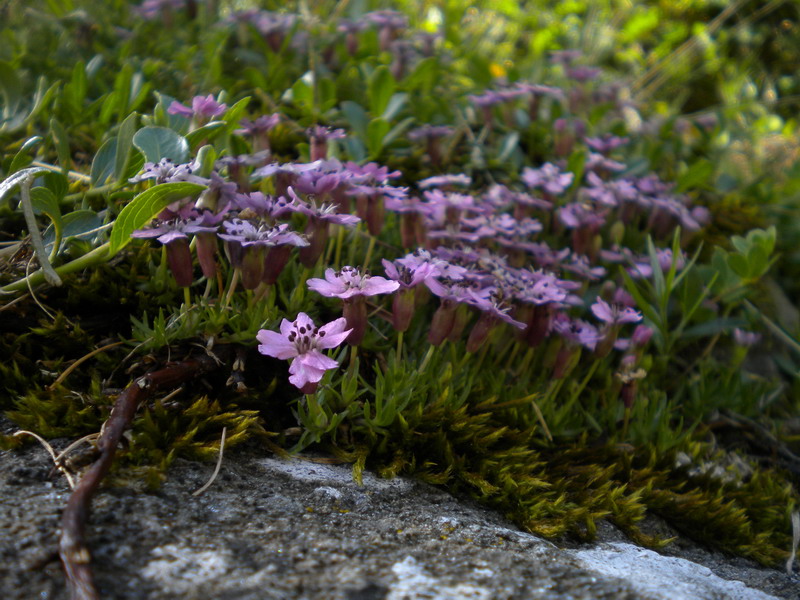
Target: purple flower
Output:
{"points": [[302, 341], [565, 57], [439, 266], [370, 172], [205, 107], [548, 178], [576, 331], [247, 244], [577, 215], [614, 314], [606, 143], [535, 89], [387, 18], [600, 163], [151, 9], [582, 73], [261, 125], [323, 133], [166, 171], [247, 234], [445, 181], [539, 288], [264, 206], [493, 97], [745, 338], [349, 282], [319, 137], [429, 131]]}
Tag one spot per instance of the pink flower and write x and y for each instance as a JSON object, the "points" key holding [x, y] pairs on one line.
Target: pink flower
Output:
{"points": [[614, 314], [202, 106], [302, 341], [349, 282]]}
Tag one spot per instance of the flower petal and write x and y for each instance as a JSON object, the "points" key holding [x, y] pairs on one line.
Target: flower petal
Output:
{"points": [[301, 374], [314, 359], [325, 288], [276, 345], [332, 334]]}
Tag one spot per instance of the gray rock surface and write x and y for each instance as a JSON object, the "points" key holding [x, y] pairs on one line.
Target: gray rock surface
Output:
{"points": [[270, 528]]}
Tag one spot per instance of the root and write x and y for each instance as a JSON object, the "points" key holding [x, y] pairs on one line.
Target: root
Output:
{"points": [[73, 550]]}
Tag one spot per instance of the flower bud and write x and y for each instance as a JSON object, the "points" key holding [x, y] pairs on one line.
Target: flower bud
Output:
{"points": [[252, 266], [355, 312], [480, 332], [274, 263], [179, 258], [206, 248], [403, 309], [442, 322]]}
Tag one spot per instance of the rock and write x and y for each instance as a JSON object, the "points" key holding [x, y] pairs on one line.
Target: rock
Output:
{"points": [[298, 529]]}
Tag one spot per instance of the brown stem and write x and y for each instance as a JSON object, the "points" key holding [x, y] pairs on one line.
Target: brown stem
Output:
{"points": [[73, 550]]}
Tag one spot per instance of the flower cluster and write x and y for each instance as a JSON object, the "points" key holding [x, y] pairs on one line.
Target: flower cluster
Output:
{"points": [[537, 256]]}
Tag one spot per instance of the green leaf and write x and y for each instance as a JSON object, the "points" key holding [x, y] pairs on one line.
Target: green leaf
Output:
{"points": [[740, 243], [327, 94], [424, 75], [206, 132], [122, 88], [576, 164], [697, 176], [159, 142], [144, 207], [302, 94], [22, 159], [648, 310], [757, 261], [235, 113], [61, 142], [10, 90], [124, 147], [381, 87], [75, 90], [103, 162], [396, 104], [376, 132], [81, 224], [206, 157], [739, 265], [357, 117], [56, 183], [398, 130], [177, 123], [45, 202], [508, 145], [355, 148]]}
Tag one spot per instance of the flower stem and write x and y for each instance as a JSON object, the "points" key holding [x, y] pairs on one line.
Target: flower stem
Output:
{"points": [[234, 281], [427, 358], [337, 263], [625, 422], [209, 285], [399, 351], [526, 360], [370, 250], [353, 360], [187, 297], [299, 292]]}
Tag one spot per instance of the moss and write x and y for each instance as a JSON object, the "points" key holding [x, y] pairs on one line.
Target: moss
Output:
{"points": [[564, 489]]}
